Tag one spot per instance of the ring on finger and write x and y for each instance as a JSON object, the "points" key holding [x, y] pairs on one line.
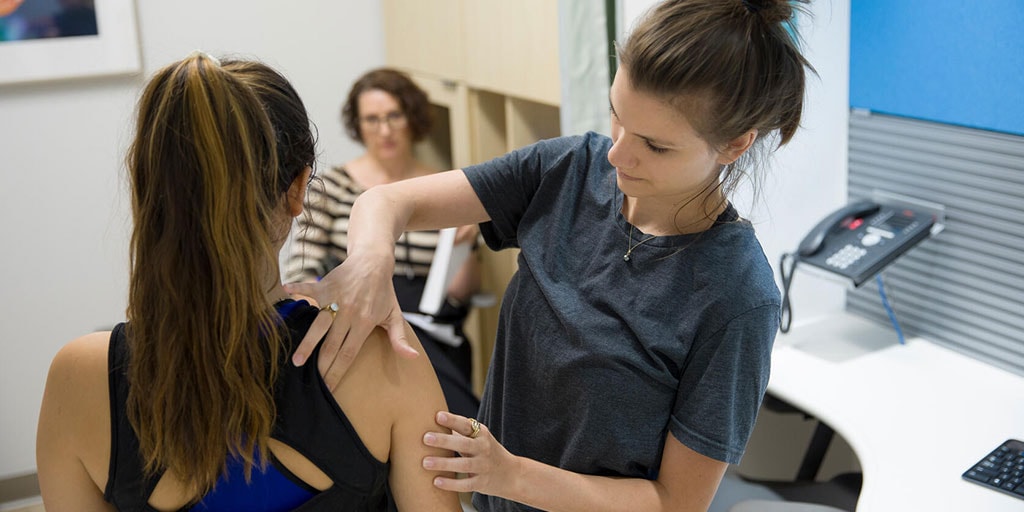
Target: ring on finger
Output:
{"points": [[331, 308], [475, 425]]}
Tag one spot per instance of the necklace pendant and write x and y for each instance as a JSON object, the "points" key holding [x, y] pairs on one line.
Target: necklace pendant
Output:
{"points": [[625, 257]]}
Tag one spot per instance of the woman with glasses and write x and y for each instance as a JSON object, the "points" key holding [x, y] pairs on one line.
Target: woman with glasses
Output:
{"points": [[387, 113]]}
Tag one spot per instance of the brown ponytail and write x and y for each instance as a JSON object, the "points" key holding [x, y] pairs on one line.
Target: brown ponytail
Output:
{"points": [[204, 345]]}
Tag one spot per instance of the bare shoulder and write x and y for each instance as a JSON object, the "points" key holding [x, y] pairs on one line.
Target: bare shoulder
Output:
{"points": [[73, 437], [408, 381], [366, 391], [383, 391], [78, 373], [78, 379], [396, 381]]}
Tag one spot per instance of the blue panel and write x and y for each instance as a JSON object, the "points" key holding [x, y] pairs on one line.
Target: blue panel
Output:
{"points": [[952, 61]]}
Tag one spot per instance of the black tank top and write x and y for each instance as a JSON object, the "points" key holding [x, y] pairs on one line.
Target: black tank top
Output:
{"points": [[308, 420]]}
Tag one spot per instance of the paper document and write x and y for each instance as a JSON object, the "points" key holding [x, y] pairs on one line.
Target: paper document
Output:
{"points": [[448, 259]]}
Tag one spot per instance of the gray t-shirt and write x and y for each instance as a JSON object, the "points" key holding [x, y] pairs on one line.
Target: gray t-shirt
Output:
{"points": [[597, 358]]}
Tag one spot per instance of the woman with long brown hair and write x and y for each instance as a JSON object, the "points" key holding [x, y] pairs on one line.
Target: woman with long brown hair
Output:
{"points": [[191, 404]]}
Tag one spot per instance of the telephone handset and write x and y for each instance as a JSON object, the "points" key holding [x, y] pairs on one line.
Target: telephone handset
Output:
{"points": [[856, 242], [812, 243]]}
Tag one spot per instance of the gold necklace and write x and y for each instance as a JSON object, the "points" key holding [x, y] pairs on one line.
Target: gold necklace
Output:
{"points": [[629, 248]]}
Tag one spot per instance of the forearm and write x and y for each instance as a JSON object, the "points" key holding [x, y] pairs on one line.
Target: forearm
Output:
{"points": [[375, 223], [687, 480], [549, 488], [382, 213]]}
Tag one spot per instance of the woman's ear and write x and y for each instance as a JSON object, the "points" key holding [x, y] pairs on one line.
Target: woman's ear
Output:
{"points": [[297, 192], [736, 147]]}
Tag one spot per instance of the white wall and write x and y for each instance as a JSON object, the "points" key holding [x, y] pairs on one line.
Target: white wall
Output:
{"points": [[807, 177], [63, 203]]}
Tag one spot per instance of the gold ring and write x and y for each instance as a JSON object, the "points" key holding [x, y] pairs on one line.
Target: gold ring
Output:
{"points": [[332, 308], [476, 427]]}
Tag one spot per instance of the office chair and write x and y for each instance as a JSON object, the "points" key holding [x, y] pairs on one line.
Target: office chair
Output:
{"points": [[802, 494]]}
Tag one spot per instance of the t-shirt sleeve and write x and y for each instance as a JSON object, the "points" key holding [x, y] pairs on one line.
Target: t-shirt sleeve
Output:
{"points": [[508, 184], [722, 386]]}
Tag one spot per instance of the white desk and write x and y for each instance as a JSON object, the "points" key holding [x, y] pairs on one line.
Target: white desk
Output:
{"points": [[917, 416]]}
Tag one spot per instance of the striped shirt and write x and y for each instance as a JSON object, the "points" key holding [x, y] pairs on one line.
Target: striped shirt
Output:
{"points": [[321, 240]]}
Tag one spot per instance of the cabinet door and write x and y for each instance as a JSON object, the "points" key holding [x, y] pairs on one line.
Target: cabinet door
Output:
{"points": [[451, 119], [512, 48], [425, 37]]}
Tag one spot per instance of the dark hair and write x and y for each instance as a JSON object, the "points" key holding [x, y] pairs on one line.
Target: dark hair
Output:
{"points": [[413, 100], [294, 133], [735, 61], [207, 179]]}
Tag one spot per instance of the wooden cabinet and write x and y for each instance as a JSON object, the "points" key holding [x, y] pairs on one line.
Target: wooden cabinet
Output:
{"points": [[425, 36], [491, 70], [448, 145], [502, 46], [497, 125], [512, 48]]}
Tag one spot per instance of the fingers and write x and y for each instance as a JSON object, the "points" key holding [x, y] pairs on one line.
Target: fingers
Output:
{"points": [[395, 326], [467, 465], [318, 328], [312, 338], [361, 296], [456, 484], [341, 346], [451, 442], [336, 358], [466, 432], [481, 458], [456, 423]]}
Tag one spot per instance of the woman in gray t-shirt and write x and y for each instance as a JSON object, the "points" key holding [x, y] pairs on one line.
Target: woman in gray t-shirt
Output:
{"points": [[634, 340]]}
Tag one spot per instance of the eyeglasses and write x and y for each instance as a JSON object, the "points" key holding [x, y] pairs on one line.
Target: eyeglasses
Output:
{"points": [[394, 120]]}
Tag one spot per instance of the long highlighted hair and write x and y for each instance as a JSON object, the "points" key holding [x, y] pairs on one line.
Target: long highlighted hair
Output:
{"points": [[215, 150]]}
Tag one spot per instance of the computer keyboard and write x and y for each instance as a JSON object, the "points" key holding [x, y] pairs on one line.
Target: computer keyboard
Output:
{"points": [[1002, 470]]}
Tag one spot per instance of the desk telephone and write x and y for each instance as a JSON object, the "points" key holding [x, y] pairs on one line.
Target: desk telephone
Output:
{"points": [[856, 242], [862, 238]]}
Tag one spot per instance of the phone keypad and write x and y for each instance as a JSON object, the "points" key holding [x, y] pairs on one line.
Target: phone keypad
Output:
{"points": [[846, 256]]}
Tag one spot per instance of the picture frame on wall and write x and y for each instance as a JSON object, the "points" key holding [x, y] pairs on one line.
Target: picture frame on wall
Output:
{"points": [[42, 40]]}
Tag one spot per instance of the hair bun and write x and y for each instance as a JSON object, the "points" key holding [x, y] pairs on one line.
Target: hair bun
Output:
{"points": [[771, 11]]}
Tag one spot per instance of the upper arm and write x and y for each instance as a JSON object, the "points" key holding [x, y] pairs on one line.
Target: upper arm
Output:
{"points": [[509, 185], [416, 401], [73, 436], [688, 478], [720, 389]]}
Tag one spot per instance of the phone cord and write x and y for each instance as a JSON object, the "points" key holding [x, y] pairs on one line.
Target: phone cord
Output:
{"points": [[888, 309], [786, 312]]}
